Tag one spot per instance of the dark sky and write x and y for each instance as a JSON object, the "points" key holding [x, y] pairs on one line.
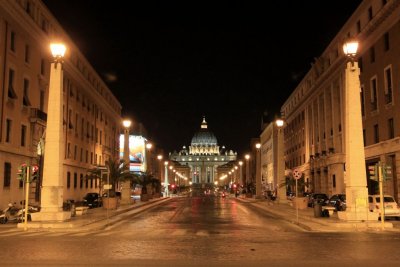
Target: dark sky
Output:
{"points": [[175, 61]]}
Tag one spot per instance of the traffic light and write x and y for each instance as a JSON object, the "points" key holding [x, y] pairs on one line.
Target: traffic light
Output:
{"points": [[21, 173], [35, 172], [173, 186], [372, 171], [234, 186]]}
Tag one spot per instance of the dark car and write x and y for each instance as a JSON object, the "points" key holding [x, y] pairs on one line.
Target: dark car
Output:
{"points": [[92, 200], [338, 201], [320, 198]]}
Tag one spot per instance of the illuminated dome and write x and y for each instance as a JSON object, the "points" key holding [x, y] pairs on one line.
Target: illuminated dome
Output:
{"points": [[204, 136]]}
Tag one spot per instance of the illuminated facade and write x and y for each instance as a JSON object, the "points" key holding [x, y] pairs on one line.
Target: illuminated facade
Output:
{"points": [[91, 113], [314, 133], [203, 157]]}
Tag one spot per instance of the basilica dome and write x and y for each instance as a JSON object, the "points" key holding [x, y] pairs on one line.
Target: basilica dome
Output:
{"points": [[204, 136]]}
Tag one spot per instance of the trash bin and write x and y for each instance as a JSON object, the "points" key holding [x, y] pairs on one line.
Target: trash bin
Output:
{"points": [[317, 210]]}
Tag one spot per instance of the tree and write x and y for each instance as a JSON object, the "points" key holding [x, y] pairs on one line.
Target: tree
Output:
{"points": [[118, 172]]}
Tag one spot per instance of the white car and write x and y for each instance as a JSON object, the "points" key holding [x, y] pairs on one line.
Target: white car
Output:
{"points": [[390, 206]]}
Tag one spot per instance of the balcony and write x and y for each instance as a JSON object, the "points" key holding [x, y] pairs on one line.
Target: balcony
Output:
{"points": [[38, 116]]}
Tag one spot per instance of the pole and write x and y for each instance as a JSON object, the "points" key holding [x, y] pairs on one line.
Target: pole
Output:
{"points": [[297, 205], [381, 202], [28, 172]]}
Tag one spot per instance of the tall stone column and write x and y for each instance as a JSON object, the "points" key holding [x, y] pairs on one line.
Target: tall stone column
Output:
{"points": [[356, 181], [53, 182]]}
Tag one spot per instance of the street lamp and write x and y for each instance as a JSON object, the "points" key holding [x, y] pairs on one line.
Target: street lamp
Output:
{"points": [[166, 179], [126, 187], [247, 157], [149, 165], [53, 182], [241, 172], [258, 171], [355, 176], [160, 157], [279, 178]]}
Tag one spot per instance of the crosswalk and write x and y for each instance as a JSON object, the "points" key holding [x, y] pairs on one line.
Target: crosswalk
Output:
{"points": [[150, 233]]}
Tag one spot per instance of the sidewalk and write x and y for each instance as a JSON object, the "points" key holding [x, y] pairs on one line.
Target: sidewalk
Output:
{"points": [[96, 218], [305, 218]]}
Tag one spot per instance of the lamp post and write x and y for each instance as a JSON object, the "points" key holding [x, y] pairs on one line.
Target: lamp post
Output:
{"points": [[258, 171], [241, 172], [166, 193], [280, 179], [52, 184], [149, 163], [160, 157], [247, 157], [355, 176], [126, 187]]}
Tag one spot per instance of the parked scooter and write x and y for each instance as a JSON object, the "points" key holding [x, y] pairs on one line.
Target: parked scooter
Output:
{"points": [[12, 214]]}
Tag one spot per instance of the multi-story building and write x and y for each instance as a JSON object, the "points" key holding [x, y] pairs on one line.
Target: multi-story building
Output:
{"points": [[91, 113], [314, 140]]}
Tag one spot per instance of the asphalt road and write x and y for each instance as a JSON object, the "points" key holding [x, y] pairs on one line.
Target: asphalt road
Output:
{"points": [[199, 231]]}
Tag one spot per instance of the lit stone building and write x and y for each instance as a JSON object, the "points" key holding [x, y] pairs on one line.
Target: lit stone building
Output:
{"points": [[203, 157], [91, 113], [314, 133]]}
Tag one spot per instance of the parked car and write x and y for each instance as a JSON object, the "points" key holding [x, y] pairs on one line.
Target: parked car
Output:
{"points": [[338, 201], [320, 198], [92, 200], [390, 206]]}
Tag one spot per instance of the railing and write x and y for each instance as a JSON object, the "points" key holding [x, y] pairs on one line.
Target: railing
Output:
{"points": [[38, 114]]}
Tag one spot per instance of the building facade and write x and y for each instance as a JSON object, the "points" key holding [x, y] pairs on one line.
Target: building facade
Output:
{"points": [[314, 131], [203, 157], [91, 113]]}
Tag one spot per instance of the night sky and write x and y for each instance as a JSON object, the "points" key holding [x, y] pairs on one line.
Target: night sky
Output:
{"points": [[171, 62]]}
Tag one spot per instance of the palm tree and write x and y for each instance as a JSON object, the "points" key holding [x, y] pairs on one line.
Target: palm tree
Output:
{"points": [[118, 171]]}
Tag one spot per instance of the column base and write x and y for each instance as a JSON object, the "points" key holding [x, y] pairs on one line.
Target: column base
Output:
{"points": [[43, 216], [357, 216]]}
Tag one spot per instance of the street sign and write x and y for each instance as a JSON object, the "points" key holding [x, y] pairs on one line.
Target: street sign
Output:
{"points": [[297, 174], [107, 186]]}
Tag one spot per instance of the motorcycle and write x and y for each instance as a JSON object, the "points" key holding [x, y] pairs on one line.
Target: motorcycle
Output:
{"points": [[12, 214]]}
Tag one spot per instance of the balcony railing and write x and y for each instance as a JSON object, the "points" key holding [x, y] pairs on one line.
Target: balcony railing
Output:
{"points": [[38, 114]]}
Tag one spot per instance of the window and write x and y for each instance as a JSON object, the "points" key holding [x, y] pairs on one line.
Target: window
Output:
{"points": [[68, 180], [25, 99], [68, 150], [376, 133], [75, 180], [81, 181], [12, 41], [374, 94], [42, 67], [87, 156], [334, 181], [370, 13], [386, 44], [87, 182], [27, 54], [7, 174], [11, 92], [23, 135], [8, 130], [358, 26], [364, 138], [390, 128], [388, 86], [41, 100], [75, 151], [360, 63], [362, 101], [372, 54], [81, 157]]}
